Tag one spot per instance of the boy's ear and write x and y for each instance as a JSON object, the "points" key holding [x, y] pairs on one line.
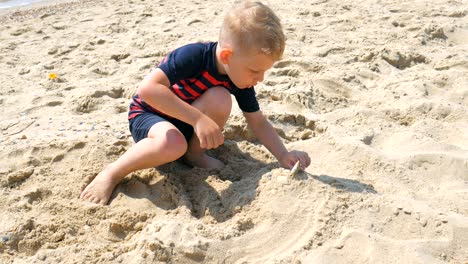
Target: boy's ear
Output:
{"points": [[225, 55]]}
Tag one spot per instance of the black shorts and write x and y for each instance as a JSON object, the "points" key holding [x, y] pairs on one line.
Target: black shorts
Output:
{"points": [[141, 124]]}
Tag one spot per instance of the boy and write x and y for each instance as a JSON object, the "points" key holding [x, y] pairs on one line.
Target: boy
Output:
{"points": [[182, 105]]}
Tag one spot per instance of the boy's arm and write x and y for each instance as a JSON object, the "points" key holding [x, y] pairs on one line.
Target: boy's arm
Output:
{"points": [[268, 136], [154, 90]]}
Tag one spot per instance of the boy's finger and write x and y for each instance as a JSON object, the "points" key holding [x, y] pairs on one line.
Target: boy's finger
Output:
{"points": [[209, 143], [221, 138], [212, 142], [303, 161], [216, 141], [202, 142]]}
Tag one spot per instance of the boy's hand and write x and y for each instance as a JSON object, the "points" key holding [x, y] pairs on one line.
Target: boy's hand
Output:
{"points": [[288, 159], [208, 132]]}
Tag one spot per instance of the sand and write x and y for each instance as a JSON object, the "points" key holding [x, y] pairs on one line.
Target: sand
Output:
{"points": [[375, 91]]}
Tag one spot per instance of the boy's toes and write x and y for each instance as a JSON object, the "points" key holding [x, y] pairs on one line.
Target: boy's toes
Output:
{"points": [[89, 197], [85, 195]]}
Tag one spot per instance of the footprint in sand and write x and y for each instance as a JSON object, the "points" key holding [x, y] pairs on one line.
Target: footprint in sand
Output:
{"points": [[60, 50], [119, 57], [293, 127], [48, 101], [148, 189], [17, 177], [294, 68], [329, 95], [402, 60], [36, 195], [20, 31], [92, 102]]}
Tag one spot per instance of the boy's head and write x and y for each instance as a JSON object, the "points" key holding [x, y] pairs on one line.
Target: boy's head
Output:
{"points": [[251, 40], [252, 27]]}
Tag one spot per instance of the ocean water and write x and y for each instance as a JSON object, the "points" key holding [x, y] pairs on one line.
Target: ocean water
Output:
{"points": [[5, 4]]}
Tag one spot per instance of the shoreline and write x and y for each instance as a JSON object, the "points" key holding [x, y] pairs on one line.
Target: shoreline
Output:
{"points": [[38, 9]]}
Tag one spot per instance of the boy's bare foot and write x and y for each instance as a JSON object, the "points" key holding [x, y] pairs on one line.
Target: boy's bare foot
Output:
{"points": [[100, 189], [203, 161]]}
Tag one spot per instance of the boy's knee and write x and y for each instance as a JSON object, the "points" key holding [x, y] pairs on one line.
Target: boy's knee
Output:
{"points": [[221, 99], [176, 144]]}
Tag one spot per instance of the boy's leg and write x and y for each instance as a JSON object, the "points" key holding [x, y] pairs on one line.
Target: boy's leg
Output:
{"points": [[164, 144], [215, 103]]}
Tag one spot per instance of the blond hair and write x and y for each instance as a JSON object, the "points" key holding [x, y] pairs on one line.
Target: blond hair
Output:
{"points": [[253, 26]]}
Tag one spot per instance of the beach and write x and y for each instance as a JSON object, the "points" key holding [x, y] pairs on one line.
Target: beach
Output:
{"points": [[376, 92]]}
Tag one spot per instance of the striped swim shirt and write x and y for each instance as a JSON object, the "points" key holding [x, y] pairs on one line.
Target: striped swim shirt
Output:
{"points": [[191, 70]]}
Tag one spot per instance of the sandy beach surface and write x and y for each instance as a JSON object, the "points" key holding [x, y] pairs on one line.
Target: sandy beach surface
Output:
{"points": [[375, 91]]}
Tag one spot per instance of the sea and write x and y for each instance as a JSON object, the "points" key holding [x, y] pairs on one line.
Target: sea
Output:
{"points": [[6, 5]]}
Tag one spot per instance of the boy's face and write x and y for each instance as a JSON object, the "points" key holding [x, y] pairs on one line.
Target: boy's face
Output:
{"points": [[246, 69]]}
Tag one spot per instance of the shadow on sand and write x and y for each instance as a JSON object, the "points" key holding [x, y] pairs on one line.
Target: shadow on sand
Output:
{"points": [[341, 183], [218, 194]]}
